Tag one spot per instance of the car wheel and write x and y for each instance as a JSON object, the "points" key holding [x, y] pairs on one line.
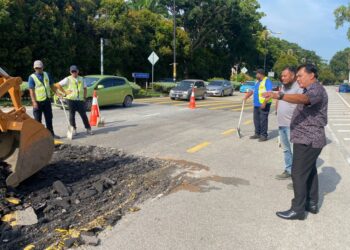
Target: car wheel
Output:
{"points": [[204, 96], [231, 93], [88, 104], [222, 94], [127, 101], [172, 98]]}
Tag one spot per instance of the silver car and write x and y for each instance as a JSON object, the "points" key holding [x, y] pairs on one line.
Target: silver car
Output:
{"points": [[220, 88], [183, 90]]}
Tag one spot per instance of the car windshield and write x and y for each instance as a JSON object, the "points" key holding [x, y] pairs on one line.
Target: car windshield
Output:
{"points": [[89, 81], [216, 83], [250, 83], [185, 84]]}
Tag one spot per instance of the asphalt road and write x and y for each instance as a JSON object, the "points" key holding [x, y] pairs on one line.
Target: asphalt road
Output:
{"points": [[235, 208]]}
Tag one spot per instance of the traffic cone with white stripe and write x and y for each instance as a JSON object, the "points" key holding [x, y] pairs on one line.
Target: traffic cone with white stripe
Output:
{"points": [[192, 104], [95, 114]]}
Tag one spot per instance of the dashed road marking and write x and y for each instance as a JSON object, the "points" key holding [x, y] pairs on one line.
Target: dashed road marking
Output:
{"points": [[343, 131], [229, 106], [245, 108], [229, 132], [248, 122], [339, 119], [155, 114], [198, 147], [341, 124]]}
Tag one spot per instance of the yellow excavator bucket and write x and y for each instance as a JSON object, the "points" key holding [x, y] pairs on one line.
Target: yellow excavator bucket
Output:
{"points": [[25, 144], [27, 151]]}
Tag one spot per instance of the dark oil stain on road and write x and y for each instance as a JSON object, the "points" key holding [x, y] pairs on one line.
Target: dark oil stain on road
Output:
{"points": [[186, 182], [202, 184]]}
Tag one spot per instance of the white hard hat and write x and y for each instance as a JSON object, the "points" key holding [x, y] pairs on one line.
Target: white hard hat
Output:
{"points": [[38, 64]]}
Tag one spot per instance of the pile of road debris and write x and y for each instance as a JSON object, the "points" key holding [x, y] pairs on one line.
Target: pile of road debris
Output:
{"points": [[84, 190]]}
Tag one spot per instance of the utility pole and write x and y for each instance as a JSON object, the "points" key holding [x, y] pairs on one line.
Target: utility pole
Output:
{"points": [[267, 32], [174, 42], [101, 42]]}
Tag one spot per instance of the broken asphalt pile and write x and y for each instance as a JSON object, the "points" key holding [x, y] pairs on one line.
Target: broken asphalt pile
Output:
{"points": [[84, 190]]}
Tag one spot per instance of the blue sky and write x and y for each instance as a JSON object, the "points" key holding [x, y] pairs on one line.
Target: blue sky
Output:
{"points": [[309, 23]]}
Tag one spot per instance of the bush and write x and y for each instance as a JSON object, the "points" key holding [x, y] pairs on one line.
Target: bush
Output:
{"points": [[241, 77], [236, 85], [163, 87], [216, 79], [135, 88]]}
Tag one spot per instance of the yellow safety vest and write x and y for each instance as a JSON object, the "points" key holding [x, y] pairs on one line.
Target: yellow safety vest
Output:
{"points": [[42, 89], [76, 87], [262, 89]]}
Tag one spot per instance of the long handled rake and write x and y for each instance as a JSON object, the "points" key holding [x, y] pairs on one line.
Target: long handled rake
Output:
{"points": [[240, 120]]}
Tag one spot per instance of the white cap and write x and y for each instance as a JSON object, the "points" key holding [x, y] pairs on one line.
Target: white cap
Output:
{"points": [[38, 64]]}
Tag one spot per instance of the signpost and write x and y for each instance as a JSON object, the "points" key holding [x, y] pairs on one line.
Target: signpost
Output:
{"points": [[271, 74], [244, 70], [153, 59]]}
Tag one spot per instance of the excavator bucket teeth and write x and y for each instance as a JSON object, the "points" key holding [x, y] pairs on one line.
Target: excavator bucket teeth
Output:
{"points": [[32, 149]]}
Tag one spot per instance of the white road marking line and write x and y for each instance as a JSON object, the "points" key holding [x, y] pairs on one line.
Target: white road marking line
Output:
{"points": [[341, 124], [344, 101], [332, 134], [343, 131], [346, 139], [339, 119], [151, 115]]}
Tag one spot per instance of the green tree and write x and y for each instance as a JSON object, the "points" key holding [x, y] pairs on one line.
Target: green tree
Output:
{"points": [[56, 32], [342, 16], [326, 75], [283, 61], [339, 64], [133, 35]]}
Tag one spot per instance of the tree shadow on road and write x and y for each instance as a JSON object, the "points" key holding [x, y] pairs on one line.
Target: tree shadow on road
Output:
{"points": [[328, 181]]}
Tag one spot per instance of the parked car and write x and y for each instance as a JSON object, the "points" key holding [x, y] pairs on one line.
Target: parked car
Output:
{"points": [[183, 90], [110, 89], [344, 88], [247, 87], [219, 88], [276, 86]]}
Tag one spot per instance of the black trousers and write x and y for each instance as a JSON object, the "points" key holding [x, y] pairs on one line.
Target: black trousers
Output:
{"points": [[44, 107], [304, 175], [77, 106], [261, 120]]}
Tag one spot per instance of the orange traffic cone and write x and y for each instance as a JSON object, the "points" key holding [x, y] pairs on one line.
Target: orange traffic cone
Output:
{"points": [[192, 104], [94, 110]]}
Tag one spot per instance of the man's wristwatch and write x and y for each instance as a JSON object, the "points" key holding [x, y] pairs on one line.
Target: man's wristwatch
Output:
{"points": [[280, 95]]}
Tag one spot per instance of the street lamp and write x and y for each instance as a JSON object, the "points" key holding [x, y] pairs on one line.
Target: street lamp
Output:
{"points": [[267, 32], [174, 40], [97, 17]]}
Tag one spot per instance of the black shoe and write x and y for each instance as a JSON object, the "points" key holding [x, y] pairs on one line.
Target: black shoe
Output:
{"points": [[254, 137], [56, 137], [262, 138], [311, 207], [284, 176], [291, 215]]}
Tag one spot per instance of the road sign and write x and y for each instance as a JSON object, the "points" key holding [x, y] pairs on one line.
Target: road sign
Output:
{"points": [[271, 74], [153, 58], [244, 70], [140, 75]]}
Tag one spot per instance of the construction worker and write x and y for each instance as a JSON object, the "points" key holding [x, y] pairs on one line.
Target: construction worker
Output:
{"points": [[75, 96], [261, 105], [40, 86]]}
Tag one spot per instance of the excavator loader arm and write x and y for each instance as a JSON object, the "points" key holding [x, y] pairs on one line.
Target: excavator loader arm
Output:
{"points": [[25, 144]]}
